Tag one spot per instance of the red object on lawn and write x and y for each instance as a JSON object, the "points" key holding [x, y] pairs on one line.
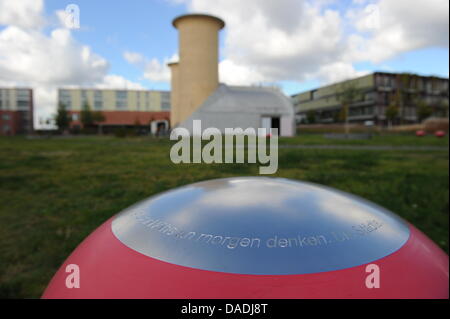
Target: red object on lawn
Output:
{"points": [[420, 133], [440, 133]]}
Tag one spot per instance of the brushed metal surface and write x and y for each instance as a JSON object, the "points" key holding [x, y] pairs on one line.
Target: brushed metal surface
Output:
{"points": [[260, 225]]}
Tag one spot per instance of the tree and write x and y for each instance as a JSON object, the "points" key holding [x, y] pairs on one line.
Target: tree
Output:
{"points": [[441, 108], [62, 118], [403, 83], [391, 113], [347, 95], [98, 117], [424, 111], [137, 125], [87, 117], [311, 117]]}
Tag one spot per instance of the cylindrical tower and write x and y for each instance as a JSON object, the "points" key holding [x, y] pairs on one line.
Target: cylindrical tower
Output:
{"points": [[198, 68], [174, 94]]}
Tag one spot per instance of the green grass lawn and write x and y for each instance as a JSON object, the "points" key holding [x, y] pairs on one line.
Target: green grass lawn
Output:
{"points": [[54, 192]]}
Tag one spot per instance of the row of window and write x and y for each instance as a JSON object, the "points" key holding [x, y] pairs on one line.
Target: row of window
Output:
{"points": [[21, 105], [385, 98], [22, 99], [429, 85], [121, 99], [358, 111], [20, 93]]}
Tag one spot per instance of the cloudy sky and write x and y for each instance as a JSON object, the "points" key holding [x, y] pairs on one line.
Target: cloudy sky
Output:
{"points": [[295, 44]]}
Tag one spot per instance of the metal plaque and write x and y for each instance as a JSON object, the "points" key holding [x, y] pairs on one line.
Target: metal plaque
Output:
{"points": [[261, 226]]}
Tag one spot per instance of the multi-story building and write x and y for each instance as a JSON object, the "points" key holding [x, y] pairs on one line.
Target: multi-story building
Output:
{"points": [[16, 111], [120, 108], [374, 94]]}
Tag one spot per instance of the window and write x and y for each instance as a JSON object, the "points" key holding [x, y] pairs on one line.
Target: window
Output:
{"points": [[165, 101], [387, 81], [165, 106], [22, 104], [6, 117], [420, 84], [84, 99], [23, 94], [368, 110], [384, 98], [369, 96], [138, 100], [313, 95], [64, 98], [6, 128], [4, 101], [121, 99], [98, 100], [75, 117], [23, 99]]}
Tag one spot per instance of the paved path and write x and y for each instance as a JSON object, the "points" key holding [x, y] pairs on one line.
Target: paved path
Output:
{"points": [[368, 147]]}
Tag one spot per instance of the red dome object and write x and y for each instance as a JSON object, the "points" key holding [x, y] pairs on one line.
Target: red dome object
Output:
{"points": [[440, 133], [420, 133], [254, 238]]}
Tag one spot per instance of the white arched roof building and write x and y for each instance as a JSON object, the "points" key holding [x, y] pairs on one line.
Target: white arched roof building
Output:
{"points": [[245, 107]]}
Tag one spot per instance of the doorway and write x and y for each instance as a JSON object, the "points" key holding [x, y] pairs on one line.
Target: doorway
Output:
{"points": [[269, 122]]}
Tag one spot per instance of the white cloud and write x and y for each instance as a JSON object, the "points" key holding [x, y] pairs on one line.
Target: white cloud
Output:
{"points": [[335, 72], [297, 40], [402, 26], [23, 13], [133, 57], [29, 57], [234, 74], [153, 69], [157, 71], [287, 40], [112, 81]]}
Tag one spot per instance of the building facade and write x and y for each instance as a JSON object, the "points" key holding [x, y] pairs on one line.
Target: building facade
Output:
{"points": [[375, 93], [120, 108], [16, 111]]}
